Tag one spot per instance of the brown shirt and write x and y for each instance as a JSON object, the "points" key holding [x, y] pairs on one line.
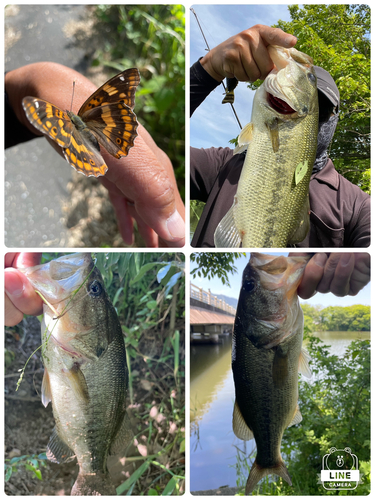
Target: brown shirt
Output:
{"points": [[340, 211]]}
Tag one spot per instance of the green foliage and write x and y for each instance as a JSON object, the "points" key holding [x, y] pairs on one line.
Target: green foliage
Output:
{"points": [[340, 319], [148, 292], [336, 413], [335, 405], [212, 265], [337, 37], [33, 463], [152, 38], [196, 209]]}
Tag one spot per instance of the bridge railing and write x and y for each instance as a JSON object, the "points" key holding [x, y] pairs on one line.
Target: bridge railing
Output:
{"points": [[208, 298]]}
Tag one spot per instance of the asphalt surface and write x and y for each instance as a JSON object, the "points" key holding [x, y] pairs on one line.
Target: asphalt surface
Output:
{"points": [[36, 177]]}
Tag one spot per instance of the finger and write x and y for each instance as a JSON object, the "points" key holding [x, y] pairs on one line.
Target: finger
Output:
{"points": [[340, 283], [329, 273], [21, 297], [152, 187], [361, 273], [13, 316], [312, 275], [255, 59], [124, 219], [276, 36], [149, 236], [22, 259]]}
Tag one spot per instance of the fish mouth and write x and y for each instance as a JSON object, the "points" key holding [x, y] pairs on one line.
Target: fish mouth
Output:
{"points": [[279, 105]]}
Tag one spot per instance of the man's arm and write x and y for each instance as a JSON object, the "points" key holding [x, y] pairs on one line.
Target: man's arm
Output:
{"points": [[145, 177]]}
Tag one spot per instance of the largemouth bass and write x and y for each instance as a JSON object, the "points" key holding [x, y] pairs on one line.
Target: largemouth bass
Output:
{"points": [[85, 372], [271, 206], [266, 357]]}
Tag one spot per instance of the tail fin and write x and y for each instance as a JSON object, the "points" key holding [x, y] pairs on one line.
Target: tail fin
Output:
{"points": [[257, 473], [95, 484]]}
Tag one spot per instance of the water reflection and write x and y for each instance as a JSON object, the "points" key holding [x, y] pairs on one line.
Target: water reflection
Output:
{"points": [[215, 451]]}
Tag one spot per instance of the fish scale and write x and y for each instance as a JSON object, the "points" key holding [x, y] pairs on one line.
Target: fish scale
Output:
{"points": [[271, 206], [266, 356], [85, 372]]}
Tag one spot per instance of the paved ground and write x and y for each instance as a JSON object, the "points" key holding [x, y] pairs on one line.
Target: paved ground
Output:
{"points": [[36, 177]]}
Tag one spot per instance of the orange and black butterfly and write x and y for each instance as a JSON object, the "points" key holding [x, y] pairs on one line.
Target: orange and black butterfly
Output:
{"points": [[106, 118]]}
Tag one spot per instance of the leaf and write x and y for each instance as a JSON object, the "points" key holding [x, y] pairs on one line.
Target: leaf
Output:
{"points": [[151, 304], [133, 478], [169, 489], [300, 172], [8, 472], [182, 446], [162, 273], [143, 271]]}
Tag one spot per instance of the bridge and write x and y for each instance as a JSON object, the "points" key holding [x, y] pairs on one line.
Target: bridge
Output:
{"points": [[210, 317]]}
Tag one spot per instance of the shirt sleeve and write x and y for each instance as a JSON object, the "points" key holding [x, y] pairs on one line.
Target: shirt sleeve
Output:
{"points": [[205, 165], [359, 227], [15, 131], [201, 85]]}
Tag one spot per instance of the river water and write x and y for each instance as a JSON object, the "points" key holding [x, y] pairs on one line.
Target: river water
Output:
{"points": [[214, 448]]}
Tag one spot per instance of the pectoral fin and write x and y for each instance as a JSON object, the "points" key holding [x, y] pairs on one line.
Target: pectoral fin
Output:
{"points": [[77, 382], [226, 234], [303, 363], [46, 389], [240, 428], [297, 418], [244, 139], [304, 224]]}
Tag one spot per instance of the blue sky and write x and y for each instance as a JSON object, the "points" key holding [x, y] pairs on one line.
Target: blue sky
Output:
{"points": [[213, 123], [323, 299]]}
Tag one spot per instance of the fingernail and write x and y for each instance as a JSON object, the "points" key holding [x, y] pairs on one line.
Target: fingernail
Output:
{"points": [[289, 40], [345, 259], [176, 226], [320, 259], [13, 284]]}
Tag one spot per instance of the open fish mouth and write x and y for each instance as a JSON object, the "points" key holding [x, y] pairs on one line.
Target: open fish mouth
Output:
{"points": [[279, 105]]}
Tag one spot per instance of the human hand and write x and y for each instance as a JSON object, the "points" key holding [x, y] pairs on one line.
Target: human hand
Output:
{"points": [[20, 296], [141, 186], [339, 273], [245, 55]]}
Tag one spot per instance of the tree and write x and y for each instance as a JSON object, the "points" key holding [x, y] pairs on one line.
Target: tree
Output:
{"points": [[337, 37], [215, 264]]}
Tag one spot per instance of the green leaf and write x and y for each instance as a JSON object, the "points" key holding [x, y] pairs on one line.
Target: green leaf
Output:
{"points": [[169, 489], [301, 171], [8, 472], [143, 271], [182, 446], [133, 478]]}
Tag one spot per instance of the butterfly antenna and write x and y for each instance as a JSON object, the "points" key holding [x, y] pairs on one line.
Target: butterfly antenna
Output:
{"points": [[71, 104]]}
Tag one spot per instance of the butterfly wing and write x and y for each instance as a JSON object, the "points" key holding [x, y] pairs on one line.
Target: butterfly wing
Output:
{"points": [[120, 88], [49, 119], [84, 155], [108, 113], [115, 127]]}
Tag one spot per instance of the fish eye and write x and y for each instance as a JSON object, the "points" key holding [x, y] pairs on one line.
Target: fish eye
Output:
{"points": [[249, 285], [95, 288], [311, 77]]}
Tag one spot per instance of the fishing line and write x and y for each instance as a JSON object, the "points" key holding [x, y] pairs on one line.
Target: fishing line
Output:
{"points": [[208, 48]]}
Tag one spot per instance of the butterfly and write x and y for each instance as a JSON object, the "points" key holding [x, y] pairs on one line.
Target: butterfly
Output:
{"points": [[106, 119]]}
